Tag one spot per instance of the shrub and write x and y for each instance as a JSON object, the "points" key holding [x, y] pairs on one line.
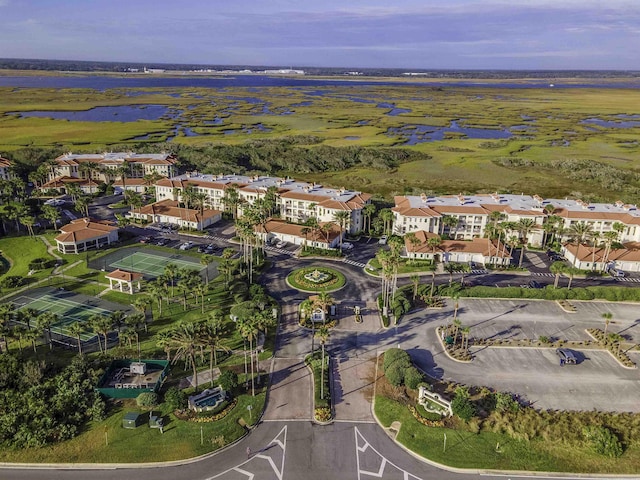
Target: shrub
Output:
{"points": [[603, 441], [11, 281], [413, 377], [395, 374], [506, 403], [461, 406], [41, 263], [176, 399], [432, 416], [394, 355], [543, 339], [147, 399], [322, 414], [228, 380]]}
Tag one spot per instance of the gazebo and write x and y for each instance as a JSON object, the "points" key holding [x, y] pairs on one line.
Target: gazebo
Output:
{"points": [[124, 281]]}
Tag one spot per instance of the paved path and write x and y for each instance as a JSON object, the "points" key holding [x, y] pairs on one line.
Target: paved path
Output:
{"points": [[290, 394]]}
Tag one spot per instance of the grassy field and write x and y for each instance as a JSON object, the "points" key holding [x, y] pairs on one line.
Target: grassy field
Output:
{"points": [[19, 252], [545, 125], [108, 442], [478, 450]]}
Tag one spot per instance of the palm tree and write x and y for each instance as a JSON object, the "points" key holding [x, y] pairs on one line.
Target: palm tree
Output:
{"points": [[157, 290], [323, 301], [413, 241], [415, 280], [212, 331], [171, 272], [164, 341], [184, 339], [465, 336], [45, 321], [82, 204], [367, 211], [77, 329], [323, 334], [231, 199], [7, 311], [342, 218], [457, 323], [449, 221], [609, 239], [117, 318], [142, 304], [31, 336], [455, 297], [580, 231], [249, 331], [524, 227], [607, 320], [28, 221], [133, 322], [52, 214], [557, 268], [305, 231], [386, 214], [101, 324]]}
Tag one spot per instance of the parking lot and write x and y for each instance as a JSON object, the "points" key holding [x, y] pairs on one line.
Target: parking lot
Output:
{"points": [[597, 381]]}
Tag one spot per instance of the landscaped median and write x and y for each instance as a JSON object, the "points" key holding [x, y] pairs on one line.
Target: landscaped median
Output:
{"points": [[321, 386], [492, 431], [316, 279]]}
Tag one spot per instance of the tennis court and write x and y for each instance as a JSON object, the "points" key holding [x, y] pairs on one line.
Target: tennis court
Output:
{"points": [[150, 262], [152, 265], [68, 311]]}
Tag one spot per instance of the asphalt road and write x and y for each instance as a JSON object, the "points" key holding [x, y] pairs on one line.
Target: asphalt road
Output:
{"points": [[287, 445]]}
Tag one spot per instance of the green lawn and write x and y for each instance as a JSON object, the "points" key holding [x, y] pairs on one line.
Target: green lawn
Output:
{"points": [[478, 450], [181, 439], [19, 252]]}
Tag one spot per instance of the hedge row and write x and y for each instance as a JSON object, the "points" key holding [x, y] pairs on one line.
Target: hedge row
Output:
{"points": [[613, 294]]}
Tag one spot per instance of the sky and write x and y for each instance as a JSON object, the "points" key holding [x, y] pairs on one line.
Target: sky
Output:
{"points": [[407, 34]]}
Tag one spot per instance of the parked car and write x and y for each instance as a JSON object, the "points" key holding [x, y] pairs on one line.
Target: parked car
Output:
{"points": [[383, 240], [534, 284], [614, 272], [201, 248], [566, 356], [281, 244], [210, 249], [186, 245], [347, 246], [161, 242], [145, 239], [55, 202]]}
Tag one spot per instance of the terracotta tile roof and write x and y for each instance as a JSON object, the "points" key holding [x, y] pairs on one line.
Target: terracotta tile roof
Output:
{"points": [[62, 181], [631, 253], [171, 208], [124, 275], [5, 163], [284, 228], [477, 245], [84, 229]]}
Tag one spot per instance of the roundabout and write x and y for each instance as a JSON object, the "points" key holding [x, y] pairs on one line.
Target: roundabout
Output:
{"points": [[314, 279]]}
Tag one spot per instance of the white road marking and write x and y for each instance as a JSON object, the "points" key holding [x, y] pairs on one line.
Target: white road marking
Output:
{"points": [[362, 446]]}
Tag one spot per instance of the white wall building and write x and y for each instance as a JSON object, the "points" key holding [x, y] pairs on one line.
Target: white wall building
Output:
{"points": [[297, 201]]}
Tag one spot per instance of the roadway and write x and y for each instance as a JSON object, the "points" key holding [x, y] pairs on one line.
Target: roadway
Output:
{"points": [[288, 445]]}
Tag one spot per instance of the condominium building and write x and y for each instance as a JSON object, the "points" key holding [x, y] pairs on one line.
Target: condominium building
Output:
{"points": [[471, 214], [104, 167], [5, 169], [297, 201]]}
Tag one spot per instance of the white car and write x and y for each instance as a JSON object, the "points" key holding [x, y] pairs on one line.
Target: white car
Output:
{"points": [[383, 240], [347, 246], [186, 245], [55, 202], [281, 244]]}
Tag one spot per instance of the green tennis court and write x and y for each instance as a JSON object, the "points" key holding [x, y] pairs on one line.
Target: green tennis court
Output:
{"points": [[153, 265], [68, 311]]}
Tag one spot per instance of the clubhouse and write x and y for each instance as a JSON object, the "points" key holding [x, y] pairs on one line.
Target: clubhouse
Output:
{"points": [[170, 211], [84, 234]]}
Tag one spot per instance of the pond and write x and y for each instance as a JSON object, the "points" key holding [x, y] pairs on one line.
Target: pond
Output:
{"points": [[613, 123], [415, 134], [123, 113]]}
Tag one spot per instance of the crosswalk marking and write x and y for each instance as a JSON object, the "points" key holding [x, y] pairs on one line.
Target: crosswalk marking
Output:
{"points": [[353, 262], [479, 271], [542, 274]]}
